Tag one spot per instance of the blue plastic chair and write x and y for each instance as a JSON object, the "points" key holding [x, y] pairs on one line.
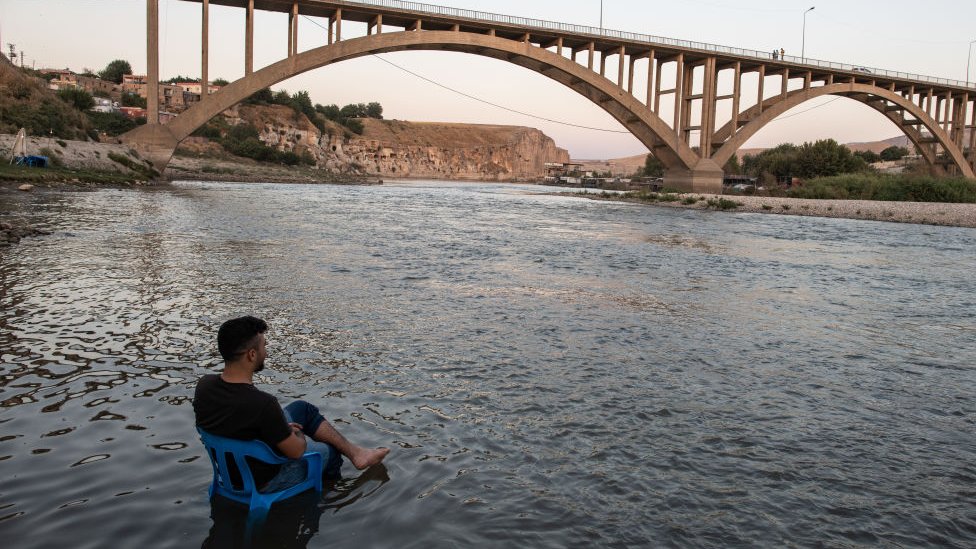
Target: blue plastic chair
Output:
{"points": [[220, 449]]}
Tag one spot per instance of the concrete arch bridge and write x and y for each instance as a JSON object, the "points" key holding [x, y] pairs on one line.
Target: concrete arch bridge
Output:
{"points": [[692, 104]]}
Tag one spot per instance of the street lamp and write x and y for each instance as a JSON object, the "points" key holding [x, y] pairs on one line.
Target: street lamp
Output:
{"points": [[968, 59], [601, 16], [803, 51]]}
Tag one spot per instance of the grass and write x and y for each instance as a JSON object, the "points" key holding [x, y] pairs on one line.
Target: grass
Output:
{"points": [[21, 174], [723, 204], [145, 170], [887, 187]]}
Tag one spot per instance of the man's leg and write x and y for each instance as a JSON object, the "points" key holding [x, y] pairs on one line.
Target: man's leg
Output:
{"points": [[317, 427]]}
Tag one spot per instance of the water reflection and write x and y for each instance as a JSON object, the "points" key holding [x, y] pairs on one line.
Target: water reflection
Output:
{"points": [[550, 371], [291, 523]]}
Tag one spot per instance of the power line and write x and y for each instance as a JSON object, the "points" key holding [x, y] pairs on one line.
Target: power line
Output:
{"points": [[496, 105], [805, 110], [485, 101], [516, 111]]}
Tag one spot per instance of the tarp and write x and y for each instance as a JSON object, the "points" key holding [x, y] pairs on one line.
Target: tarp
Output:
{"points": [[33, 161]]}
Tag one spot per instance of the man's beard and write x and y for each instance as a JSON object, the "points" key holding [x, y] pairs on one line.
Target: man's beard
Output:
{"points": [[260, 367]]}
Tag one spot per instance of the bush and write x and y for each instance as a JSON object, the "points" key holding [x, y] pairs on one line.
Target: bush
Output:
{"points": [[77, 98], [911, 188], [143, 170], [819, 159], [133, 100], [243, 140], [112, 123]]}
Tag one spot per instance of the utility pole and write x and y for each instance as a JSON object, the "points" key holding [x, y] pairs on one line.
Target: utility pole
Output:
{"points": [[601, 16]]}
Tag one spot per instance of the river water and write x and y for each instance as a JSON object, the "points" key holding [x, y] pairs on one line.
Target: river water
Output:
{"points": [[550, 371]]}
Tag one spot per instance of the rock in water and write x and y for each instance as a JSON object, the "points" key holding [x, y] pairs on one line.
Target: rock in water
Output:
{"points": [[26, 187]]}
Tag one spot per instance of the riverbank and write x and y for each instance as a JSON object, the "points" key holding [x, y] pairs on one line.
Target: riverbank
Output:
{"points": [[925, 213]]}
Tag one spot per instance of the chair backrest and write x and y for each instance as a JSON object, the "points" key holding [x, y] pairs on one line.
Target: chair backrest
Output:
{"points": [[229, 456], [232, 476]]}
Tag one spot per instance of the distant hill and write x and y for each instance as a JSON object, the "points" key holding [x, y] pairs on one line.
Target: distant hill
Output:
{"points": [[629, 164]]}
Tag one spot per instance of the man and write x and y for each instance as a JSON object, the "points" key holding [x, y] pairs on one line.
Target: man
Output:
{"points": [[229, 405]]}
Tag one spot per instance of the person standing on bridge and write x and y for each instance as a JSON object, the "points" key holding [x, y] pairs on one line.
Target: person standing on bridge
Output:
{"points": [[775, 54], [229, 405], [782, 54]]}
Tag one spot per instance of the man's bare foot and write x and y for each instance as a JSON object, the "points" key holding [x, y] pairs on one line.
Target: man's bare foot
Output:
{"points": [[367, 457]]}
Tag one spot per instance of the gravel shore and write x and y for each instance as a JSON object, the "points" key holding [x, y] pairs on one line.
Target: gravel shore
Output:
{"points": [[925, 213]]}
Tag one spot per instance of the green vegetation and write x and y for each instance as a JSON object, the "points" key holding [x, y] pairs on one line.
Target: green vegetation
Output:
{"points": [[77, 98], [114, 71], [652, 167], [25, 102], [243, 140], [823, 158], [146, 170], [133, 100], [56, 174], [723, 204], [300, 102], [870, 186], [112, 123], [894, 153]]}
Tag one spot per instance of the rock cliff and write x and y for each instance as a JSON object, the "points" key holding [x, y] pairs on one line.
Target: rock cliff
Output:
{"points": [[393, 148]]}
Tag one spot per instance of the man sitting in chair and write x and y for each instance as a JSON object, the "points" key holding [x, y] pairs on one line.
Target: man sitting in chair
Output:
{"points": [[229, 405]]}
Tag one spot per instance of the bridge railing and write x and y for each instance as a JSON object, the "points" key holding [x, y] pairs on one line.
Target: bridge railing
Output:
{"points": [[649, 39]]}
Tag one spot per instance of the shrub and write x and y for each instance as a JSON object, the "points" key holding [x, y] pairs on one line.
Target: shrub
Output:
{"points": [[77, 98], [913, 188], [112, 123]]}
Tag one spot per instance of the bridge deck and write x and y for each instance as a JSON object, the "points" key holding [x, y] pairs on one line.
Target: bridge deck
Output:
{"points": [[397, 13]]}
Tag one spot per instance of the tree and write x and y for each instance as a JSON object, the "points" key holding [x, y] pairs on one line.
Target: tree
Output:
{"points": [[262, 96], [822, 158], [653, 167], [894, 153], [331, 112], [78, 98], [869, 156], [301, 102], [115, 70], [374, 110], [732, 166], [220, 82]]}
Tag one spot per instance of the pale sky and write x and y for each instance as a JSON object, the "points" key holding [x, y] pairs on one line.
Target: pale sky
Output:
{"points": [[928, 38]]}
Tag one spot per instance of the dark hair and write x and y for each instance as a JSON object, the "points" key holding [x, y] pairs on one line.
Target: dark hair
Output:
{"points": [[238, 335]]}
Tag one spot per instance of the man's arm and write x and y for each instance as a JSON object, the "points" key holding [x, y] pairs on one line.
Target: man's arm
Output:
{"points": [[294, 445]]}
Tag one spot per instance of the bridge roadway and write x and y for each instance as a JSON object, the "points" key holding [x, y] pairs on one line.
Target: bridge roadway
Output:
{"points": [[690, 121]]}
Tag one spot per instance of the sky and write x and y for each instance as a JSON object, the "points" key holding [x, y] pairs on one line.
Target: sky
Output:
{"points": [[929, 38]]}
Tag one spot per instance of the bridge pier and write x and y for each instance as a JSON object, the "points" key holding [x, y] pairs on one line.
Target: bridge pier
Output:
{"points": [[155, 143], [705, 177]]}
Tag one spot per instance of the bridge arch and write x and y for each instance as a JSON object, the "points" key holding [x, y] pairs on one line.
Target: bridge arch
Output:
{"points": [[890, 104], [159, 141]]}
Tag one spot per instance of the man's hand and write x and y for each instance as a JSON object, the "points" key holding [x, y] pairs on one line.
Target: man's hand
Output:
{"points": [[293, 446]]}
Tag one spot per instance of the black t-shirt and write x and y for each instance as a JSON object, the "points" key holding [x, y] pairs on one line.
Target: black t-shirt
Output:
{"points": [[243, 412]]}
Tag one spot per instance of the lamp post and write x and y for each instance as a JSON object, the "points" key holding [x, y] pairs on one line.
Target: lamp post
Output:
{"points": [[601, 16], [968, 59], [803, 51]]}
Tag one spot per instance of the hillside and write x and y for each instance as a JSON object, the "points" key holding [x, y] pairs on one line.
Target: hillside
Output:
{"points": [[25, 102], [394, 148]]}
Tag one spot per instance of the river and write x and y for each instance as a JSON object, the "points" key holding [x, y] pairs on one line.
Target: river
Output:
{"points": [[549, 371]]}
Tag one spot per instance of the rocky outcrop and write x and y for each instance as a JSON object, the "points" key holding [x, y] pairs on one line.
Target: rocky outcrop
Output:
{"points": [[452, 151], [11, 233], [393, 148]]}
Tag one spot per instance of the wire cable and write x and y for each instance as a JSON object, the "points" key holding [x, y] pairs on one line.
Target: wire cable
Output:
{"points": [[485, 101]]}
